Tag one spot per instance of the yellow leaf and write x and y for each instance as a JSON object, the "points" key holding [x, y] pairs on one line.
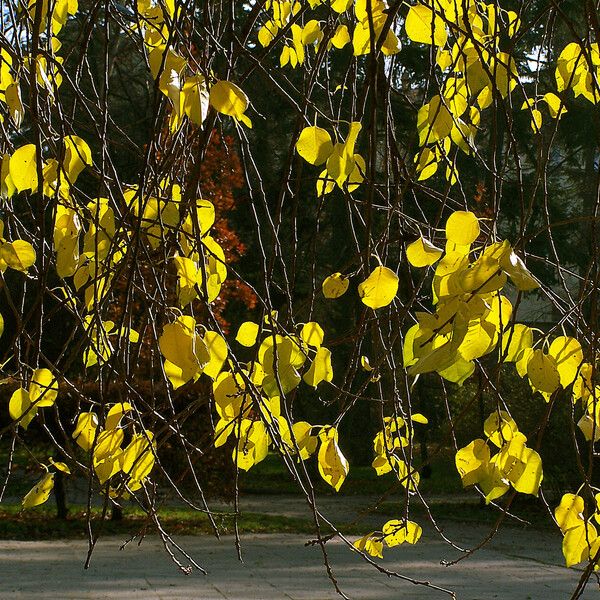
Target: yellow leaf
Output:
{"points": [[228, 99], [333, 465], [462, 228], [217, 348], [312, 333], [576, 543], [18, 255], [425, 27], [14, 103], [43, 388], [569, 513], [307, 443], [379, 289], [341, 37], [60, 466], [335, 286], [515, 268], [500, 428], [85, 430], [23, 168], [115, 414], [247, 334], [398, 532], [568, 355], [320, 369], [371, 544], [230, 396], [195, 99], [555, 105], [181, 345], [472, 461], [422, 253], [77, 156], [515, 341], [40, 492], [19, 407], [542, 372], [314, 145]]}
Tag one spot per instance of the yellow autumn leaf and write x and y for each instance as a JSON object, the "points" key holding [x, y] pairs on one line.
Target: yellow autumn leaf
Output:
{"points": [[77, 156], [333, 465], [85, 430], [569, 513], [228, 99], [320, 369], [500, 428], [217, 348], [379, 289], [568, 355], [307, 443], [371, 544], [422, 253], [472, 461], [43, 388], [314, 145], [398, 532], [462, 228], [247, 334], [115, 414], [542, 372], [18, 255], [576, 543], [312, 334], [23, 168], [335, 285], [40, 492], [19, 407], [515, 341], [424, 26]]}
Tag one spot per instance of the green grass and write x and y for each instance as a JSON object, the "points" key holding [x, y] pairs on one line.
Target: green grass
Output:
{"points": [[40, 523], [271, 477]]}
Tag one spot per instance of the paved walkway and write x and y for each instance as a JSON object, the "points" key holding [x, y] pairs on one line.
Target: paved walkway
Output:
{"points": [[281, 567]]}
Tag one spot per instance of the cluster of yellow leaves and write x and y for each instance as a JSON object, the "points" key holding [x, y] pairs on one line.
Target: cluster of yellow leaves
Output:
{"points": [[513, 465], [389, 447], [201, 265], [54, 13], [476, 70], [20, 169], [100, 347], [343, 167], [51, 16], [362, 42], [280, 14], [293, 51], [581, 542], [18, 254], [248, 401], [394, 533], [188, 354], [190, 95], [42, 392], [377, 291], [471, 314], [578, 69], [10, 92], [555, 106], [109, 457]]}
